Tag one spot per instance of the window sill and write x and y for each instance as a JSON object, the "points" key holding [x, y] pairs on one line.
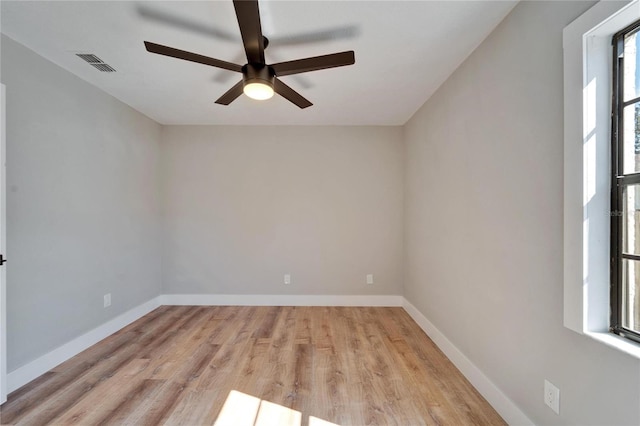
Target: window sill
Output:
{"points": [[619, 343]]}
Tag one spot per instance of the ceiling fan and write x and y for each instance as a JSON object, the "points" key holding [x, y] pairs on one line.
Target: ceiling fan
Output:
{"points": [[259, 79]]}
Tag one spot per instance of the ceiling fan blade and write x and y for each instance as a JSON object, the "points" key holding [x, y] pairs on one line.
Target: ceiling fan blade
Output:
{"points": [[291, 95], [231, 95], [248, 16], [224, 77], [315, 63], [193, 57]]}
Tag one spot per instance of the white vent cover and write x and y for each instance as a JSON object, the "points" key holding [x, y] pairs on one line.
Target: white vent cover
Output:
{"points": [[95, 62]]}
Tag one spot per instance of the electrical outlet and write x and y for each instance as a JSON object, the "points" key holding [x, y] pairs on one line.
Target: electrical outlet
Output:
{"points": [[369, 278], [287, 279], [552, 396], [107, 300]]}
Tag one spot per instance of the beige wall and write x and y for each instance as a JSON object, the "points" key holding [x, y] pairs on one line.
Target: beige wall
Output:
{"points": [[245, 205], [83, 205], [484, 225]]}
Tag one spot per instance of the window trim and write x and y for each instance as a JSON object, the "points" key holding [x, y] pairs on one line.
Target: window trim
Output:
{"points": [[587, 198]]}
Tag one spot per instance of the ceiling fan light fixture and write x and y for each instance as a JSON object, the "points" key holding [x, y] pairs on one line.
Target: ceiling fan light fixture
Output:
{"points": [[258, 81], [258, 90]]}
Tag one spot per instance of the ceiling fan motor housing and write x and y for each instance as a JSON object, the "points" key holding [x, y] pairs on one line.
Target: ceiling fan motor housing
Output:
{"points": [[258, 73]]}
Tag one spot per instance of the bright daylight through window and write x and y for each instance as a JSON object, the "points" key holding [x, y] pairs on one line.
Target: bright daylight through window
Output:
{"points": [[625, 179]]}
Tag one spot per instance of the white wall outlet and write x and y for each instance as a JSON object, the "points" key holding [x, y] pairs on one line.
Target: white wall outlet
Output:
{"points": [[552, 396], [369, 278], [287, 278], [107, 300]]}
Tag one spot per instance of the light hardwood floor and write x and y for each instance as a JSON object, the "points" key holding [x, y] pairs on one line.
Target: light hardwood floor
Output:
{"points": [[273, 365]]}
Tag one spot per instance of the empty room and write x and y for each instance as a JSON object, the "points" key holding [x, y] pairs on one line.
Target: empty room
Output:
{"points": [[243, 212]]}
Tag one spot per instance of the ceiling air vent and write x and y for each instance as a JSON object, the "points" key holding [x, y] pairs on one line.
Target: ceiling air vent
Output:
{"points": [[95, 62]]}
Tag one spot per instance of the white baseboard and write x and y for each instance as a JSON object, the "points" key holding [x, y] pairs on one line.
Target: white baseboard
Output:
{"points": [[36, 368], [280, 300], [498, 400]]}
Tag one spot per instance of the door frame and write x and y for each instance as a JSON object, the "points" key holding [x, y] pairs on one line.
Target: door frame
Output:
{"points": [[3, 245]]}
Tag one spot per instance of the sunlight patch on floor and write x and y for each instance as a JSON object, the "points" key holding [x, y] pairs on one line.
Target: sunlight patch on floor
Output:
{"points": [[241, 409], [271, 414], [314, 421]]}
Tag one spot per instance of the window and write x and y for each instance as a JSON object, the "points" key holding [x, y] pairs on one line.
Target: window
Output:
{"points": [[588, 110], [625, 184]]}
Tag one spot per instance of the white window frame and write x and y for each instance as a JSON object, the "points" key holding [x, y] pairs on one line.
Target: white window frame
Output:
{"points": [[587, 140]]}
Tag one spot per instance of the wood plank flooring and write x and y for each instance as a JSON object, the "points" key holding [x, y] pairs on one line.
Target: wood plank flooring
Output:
{"points": [[271, 365]]}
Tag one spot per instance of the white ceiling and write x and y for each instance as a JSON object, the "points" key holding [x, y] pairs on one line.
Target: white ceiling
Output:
{"points": [[404, 51]]}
